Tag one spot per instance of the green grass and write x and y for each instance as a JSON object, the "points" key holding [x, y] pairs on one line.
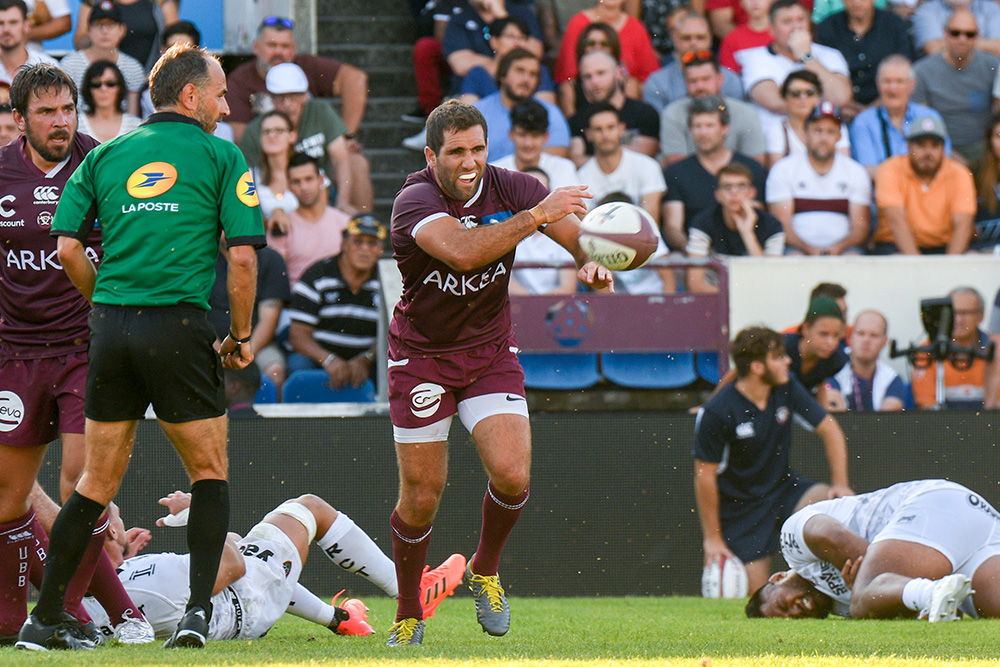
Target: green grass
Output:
{"points": [[636, 632]]}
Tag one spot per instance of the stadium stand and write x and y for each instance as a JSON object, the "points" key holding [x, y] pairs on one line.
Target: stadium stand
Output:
{"points": [[268, 392], [559, 371], [312, 386], [669, 370]]}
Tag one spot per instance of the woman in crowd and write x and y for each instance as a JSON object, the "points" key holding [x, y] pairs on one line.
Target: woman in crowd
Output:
{"points": [[597, 37], [276, 200], [145, 19], [987, 238], [815, 348], [802, 91], [103, 94], [636, 49]]}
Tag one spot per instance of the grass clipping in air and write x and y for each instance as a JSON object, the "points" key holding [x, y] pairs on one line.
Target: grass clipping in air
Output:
{"points": [[590, 632]]}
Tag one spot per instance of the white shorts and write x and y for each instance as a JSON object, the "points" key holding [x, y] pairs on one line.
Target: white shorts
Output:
{"points": [[471, 411], [273, 569]]}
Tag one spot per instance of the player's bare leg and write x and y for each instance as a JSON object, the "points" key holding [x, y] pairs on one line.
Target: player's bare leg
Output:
{"points": [[758, 572], [201, 445], [888, 567], [814, 494], [73, 458], [504, 444], [986, 584]]}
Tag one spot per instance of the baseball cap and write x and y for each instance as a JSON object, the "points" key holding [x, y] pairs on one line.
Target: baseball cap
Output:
{"points": [[286, 78], [105, 9], [824, 306], [366, 224], [926, 126], [825, 109]]}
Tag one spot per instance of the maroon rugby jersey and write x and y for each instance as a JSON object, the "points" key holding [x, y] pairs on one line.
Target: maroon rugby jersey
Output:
{"points": [[443, 310], [41, 313]]}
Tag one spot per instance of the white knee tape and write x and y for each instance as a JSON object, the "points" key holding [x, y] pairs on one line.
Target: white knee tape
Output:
{"points": [[300, 513]]}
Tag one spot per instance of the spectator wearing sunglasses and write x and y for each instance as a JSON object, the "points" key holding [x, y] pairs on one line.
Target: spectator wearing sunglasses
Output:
{"points": [[105, 31], [703, 78], [145, 20], [103, 94], [956, 82], [931, 19], [275, 44]]}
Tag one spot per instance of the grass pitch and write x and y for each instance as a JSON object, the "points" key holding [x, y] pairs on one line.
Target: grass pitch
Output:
{"points": [[592, 632]]}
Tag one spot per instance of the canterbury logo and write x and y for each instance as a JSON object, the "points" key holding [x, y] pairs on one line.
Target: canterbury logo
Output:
{"points": [[426, 399], [46, 194]]}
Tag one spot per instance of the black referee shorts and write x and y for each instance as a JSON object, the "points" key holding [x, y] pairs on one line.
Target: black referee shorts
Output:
{"points": [[752, 529], [160, 355]]}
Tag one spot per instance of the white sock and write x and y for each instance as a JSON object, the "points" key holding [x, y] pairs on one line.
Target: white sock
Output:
{"points": [[350, 548], [917, 593], [306, 605]]}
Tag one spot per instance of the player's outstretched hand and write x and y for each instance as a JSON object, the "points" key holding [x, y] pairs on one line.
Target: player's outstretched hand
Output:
{"points": [[838, 491], [235, 355], [596, 276], [565, 200], [176, 502]]}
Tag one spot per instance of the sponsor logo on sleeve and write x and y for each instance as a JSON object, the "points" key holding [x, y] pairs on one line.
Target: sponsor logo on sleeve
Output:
{"points": [[246, 190], [151, 180], [426, 399], [11, 411]]}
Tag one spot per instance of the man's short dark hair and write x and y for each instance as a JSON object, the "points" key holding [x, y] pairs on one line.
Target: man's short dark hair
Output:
{"points": [[497, 26], [801, 75], [754, 344], [778, 5], [753, 606], [512, 56], [180, 65], [300, 159], [602, 107], [33, 79], [735, 169], [530, 116], [832, 290], [182, 28], [453, 116], [20, 4], [95, 71], [711, 104]]}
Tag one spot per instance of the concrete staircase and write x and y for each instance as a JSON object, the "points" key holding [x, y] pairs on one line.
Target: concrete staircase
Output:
{"points": [[377, 36]]}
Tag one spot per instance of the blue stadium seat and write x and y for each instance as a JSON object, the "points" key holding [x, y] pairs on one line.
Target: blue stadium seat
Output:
{"points": [[312, 386], [666, 370], [559, 371], [267, 393], [708, 366]]}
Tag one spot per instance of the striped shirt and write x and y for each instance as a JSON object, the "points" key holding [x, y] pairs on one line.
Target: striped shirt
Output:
{"points": [[343, 322]]}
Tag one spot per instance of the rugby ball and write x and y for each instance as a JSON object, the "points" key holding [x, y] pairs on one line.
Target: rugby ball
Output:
{"points": [[618, 236], [724, 578]]}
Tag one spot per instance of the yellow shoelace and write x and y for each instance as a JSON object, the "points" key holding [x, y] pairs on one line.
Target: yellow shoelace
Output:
{"points": [[492, 589], [404, 630]]}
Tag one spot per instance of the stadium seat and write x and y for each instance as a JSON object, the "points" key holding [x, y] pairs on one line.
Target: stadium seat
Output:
{"points": [[708, 366], [268, 393], [559, 371], [666, 370], [312, 386]]}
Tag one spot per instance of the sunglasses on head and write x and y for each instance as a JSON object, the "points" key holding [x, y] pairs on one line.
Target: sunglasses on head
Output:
{"points": [[277, 20], [103, 84], [971, 34], [697, 57]]}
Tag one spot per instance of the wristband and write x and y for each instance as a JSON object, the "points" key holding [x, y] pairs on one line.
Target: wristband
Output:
{"points": [[329, 359], [239, 341]]}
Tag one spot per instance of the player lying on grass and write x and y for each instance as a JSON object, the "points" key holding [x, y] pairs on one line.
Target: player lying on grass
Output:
{"points": [[927, 549], [258, 575]]}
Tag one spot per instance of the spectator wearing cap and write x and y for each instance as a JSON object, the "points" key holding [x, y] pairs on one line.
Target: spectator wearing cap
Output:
{"points": [[105, 30], [691, 181], [8, 128], [314, 228], [879, 132], [957, 82], [335, 307], [247, 92], [765, 67], [926, 201], [14, 35], [320, 133], [529, 133], [821, 197], [145, 20], [801, 91], [703, 78]]}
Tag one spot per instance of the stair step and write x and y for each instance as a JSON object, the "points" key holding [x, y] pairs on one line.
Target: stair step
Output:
{"points": [[394, 160], [367, 56], [391, 81], [335, 30], [345, 8], [389, 109]]}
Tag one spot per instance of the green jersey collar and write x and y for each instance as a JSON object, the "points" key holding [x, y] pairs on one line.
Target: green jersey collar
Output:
{"points": [[170, 117]]}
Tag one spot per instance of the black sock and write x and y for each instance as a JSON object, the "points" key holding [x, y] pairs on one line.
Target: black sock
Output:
{"points": [[68, 541], [208, 523]]}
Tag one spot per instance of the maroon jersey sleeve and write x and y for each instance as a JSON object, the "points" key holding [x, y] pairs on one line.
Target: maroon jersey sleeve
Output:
{"points": [[242, 85]]}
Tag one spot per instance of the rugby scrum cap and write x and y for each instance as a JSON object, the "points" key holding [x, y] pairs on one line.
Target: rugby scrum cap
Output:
{"points": [[926, 126], [366, 224], [105, 9], [286, 78], [825, 109]]}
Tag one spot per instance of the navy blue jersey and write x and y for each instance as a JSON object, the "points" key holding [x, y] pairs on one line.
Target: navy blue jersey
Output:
{"points": [[751, 445], [824, 368]]}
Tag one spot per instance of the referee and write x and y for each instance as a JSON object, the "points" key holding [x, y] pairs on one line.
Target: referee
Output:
{"points": [[161, 194]]}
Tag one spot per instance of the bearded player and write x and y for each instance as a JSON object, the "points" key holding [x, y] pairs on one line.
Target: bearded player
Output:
{"points": [[451, 346], [927, 548], [43, 345]]}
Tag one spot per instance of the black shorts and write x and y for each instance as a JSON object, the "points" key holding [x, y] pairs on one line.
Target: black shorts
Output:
{"points": [[752, 528], [162, 355]]}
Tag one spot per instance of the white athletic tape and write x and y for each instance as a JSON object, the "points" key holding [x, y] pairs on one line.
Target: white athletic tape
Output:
{"points": [[176, 520], [300, 513]]}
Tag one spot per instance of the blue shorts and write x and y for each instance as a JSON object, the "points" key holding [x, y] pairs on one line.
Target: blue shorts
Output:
{"points": [[752, 528]]}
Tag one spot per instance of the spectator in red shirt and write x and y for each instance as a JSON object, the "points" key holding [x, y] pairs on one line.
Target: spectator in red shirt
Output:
{"points": [[755, 32]]}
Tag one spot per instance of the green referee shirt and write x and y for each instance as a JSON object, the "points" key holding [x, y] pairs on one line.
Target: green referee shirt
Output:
{"points": [[161, 193]]}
